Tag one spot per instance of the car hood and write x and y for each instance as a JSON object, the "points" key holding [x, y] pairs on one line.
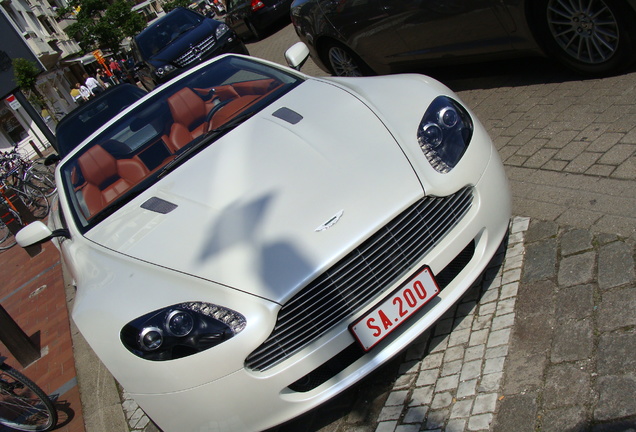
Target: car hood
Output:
{"points": [[272, 204]]}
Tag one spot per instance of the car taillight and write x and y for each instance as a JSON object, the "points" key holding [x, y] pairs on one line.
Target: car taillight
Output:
{"points": [[257, 4]]}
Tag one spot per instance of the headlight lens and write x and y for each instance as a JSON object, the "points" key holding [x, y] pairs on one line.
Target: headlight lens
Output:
{"points": [[444, 133], [164, 70], [221, 30], [181, 330]]}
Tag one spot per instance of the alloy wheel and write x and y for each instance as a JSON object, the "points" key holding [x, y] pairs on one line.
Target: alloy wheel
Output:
{"points": [[586, 30], [343, 63]]}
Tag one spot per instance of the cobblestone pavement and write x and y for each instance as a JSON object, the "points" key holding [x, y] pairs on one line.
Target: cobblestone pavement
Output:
{"points": [[572, 359], [452, 378], [547, 341]]}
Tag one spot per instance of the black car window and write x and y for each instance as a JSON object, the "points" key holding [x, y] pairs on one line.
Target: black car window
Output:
{"points": [[87, 118], [165, 30]]}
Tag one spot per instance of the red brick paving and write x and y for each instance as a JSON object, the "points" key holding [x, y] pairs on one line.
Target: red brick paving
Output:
{"points": [[33, 294]]}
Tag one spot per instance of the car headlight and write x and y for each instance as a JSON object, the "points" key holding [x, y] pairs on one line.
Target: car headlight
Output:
{"points": [[181, 330], [165, 70], [221, 30], [444, 133]]}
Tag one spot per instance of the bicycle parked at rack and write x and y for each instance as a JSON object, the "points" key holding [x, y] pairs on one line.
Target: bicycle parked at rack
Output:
{"points": [[32, 196], [21, 171], [7, 240], [23, 405]]}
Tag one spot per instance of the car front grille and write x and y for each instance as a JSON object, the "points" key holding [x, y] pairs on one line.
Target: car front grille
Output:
{"points": [[195, 51], [360, 276]]}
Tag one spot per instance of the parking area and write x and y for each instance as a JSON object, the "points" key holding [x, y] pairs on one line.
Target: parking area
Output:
{"points": [[545, 341], [568, 143], [538, 345]]}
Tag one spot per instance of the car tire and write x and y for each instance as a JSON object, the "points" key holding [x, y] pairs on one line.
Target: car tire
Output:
{"points": [[341, 61], [593, 37], [256, 34]]}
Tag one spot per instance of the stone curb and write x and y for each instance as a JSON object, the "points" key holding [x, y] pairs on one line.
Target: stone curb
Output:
{"points": [[456, 385]]}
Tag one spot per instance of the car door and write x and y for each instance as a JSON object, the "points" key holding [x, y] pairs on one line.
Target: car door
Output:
{"points": [[366, 26], [433, 29], [238, 11]]}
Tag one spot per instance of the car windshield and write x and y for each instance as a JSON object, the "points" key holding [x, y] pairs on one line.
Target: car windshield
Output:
{"points": [[160, 34], [87, 118], [164, 130]]}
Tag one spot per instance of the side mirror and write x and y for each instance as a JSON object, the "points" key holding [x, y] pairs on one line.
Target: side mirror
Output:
{"points": [[37, 232], [297, 55]]}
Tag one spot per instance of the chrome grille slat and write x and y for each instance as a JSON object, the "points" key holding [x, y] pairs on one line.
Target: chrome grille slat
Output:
{"points": [[360, 276], [195, 51]]}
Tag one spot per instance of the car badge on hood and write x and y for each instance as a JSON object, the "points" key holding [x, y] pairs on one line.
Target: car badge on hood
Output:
{"points": [[331, 222]]}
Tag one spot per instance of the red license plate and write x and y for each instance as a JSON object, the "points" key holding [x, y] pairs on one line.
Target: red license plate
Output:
{"points": [[395, 309]]}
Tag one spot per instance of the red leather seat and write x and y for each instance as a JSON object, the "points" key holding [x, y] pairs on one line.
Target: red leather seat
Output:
{"points": [[188, 112], [106, 177]]}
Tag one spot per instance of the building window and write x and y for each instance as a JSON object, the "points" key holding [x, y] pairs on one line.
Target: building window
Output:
{"points": [[10, 127], [47, 25]]}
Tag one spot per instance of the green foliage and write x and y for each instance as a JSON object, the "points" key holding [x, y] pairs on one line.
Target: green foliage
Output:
{"points": [[172, 4], [25, 72], [102, 24]]}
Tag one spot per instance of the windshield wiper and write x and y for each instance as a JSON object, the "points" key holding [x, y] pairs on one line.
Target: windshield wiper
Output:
{"points": [[191, 150], [233, 122], [178, 35]]}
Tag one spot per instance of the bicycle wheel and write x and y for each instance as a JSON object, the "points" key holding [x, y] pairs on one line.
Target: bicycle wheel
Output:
{"points": [[7, 240], [39, 164], [35, 200], [43, 180], [23, 405]]}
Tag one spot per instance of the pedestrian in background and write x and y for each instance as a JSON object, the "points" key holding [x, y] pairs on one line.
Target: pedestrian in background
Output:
{"points": [[93, 85], [102, 79], [84, 93], [115, 68]]}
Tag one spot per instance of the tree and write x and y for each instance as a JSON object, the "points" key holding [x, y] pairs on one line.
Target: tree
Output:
{"points": [[172, 4], [102, 24], [26, 73]]}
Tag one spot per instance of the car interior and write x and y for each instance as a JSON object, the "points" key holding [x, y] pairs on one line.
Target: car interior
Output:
{"points": [[152, 139]]}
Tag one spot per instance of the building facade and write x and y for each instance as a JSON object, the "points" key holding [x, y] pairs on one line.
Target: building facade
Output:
{"points": [[37, 23]]}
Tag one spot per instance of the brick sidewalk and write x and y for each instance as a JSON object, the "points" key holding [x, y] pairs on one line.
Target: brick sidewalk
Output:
{"points": [[33, 295]]}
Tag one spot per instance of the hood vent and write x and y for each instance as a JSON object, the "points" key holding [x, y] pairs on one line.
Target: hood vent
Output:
{"points": [[288, 115], [158, 205]]}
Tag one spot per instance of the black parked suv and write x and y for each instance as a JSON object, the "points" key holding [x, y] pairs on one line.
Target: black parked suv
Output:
{"points": [[178, 41]]}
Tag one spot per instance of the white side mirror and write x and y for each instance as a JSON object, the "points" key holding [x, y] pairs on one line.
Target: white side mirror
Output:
{"points": [[297, 55], [33, 233]]}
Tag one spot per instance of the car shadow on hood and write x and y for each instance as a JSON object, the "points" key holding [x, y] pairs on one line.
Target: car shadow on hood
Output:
{"points": [[279, 264]]}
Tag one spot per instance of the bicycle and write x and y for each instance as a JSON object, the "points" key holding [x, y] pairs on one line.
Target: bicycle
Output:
{"points": [[23, 405], [7, 240], [20, 171], [32, 196]]}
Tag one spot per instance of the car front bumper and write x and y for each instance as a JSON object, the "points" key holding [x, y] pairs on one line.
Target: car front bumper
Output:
{"points": [[228, 44], [247, 400]]}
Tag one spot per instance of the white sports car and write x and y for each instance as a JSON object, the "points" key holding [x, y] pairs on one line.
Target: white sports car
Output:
{"points": [[248, 241]]}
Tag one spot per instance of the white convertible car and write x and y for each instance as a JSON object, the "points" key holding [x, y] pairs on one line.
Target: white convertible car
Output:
{"points": [[248, 241]]}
